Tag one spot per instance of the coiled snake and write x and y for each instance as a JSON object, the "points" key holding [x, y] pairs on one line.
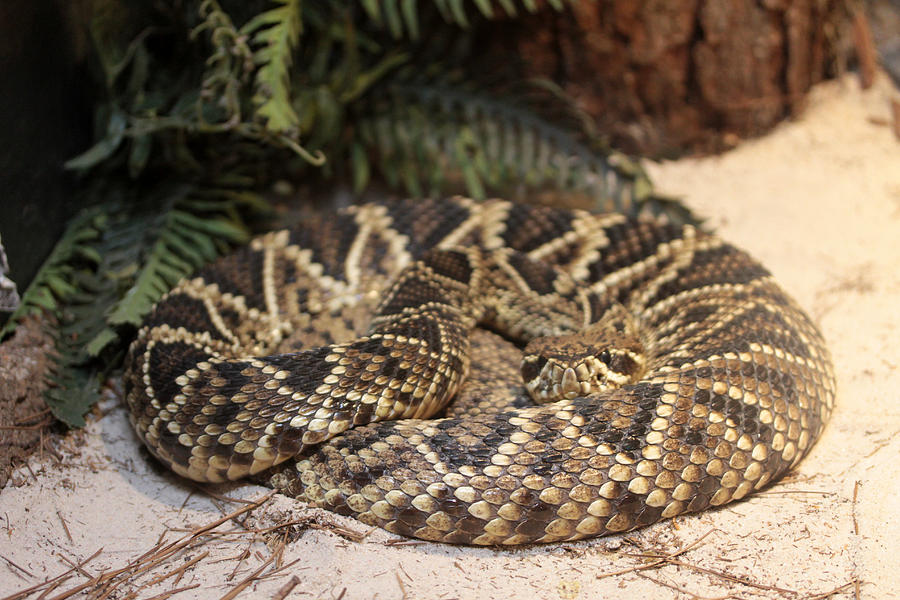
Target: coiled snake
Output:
{"points": [[672, 373]]}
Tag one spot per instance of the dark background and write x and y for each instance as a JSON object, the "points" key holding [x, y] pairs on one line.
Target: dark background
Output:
{"points": [[45, 119]]}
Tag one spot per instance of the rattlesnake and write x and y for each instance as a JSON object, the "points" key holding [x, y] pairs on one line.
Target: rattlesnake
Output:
{"points": [[696, 379]]}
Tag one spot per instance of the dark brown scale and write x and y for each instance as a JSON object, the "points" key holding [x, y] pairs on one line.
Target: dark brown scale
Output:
{"points": [[539, 278], [163, 369], [187, 312], [630, 243], [721, 265], [426, 224], [329, 240], [245, 281], [531, 227]]}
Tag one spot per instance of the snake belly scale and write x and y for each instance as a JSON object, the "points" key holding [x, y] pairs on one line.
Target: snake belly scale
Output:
{"points": [[370, 362]]}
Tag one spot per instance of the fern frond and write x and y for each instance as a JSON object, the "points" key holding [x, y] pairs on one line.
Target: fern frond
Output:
{"points": [[53, 283], [275, 33], [184, 230], [402, 18], [230, 63], [72, 388], [112, 263], [74, 376], [68, 290], [183, 244], [429, 139]]}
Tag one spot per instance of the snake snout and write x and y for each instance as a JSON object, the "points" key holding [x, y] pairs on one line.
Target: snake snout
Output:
{"points": [[549, 379], [569, 385]]}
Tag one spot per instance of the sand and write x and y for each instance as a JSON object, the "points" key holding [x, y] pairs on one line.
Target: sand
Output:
{"points": [[817, 200]]}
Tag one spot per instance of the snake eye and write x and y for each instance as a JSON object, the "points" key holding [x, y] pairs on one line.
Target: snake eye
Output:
{"points": [[605, 356]]}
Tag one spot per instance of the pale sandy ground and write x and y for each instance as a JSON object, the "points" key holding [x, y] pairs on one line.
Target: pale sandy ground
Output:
{"points": [[818, 200]]}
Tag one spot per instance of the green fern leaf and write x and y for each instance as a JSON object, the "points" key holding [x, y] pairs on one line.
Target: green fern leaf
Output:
{"points": [[435, 139], [50, 286], [67, 288], [112, 263], [401, 17], [408, 8], [275, 34], [71, 393], [182, 242], [102, 150]]}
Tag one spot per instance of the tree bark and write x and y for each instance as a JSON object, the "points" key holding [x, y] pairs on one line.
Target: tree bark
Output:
{"points": [[666, 76]]}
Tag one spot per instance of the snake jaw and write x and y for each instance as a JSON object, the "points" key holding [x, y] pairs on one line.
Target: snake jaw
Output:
{"points": [[552, 379], [564, 377]]}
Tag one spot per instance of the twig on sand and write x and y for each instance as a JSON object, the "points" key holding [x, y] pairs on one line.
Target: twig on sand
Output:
{"points": [[672, 586], [23, 569], [170, 593], [852, 583], [178, 571], [286, 589], [402, 587], [663, 559], [733, 578], [237, 589], [106, 583], [53, 582], [65, 526]]}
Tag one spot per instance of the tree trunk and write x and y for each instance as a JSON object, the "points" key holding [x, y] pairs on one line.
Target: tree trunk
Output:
{"points": [[665, 76]]}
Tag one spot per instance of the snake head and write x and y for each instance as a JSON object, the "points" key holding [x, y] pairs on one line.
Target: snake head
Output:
{"points": [[582, 364]]}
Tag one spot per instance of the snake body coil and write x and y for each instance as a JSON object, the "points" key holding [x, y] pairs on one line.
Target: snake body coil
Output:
{"points": [[699, 381]]}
